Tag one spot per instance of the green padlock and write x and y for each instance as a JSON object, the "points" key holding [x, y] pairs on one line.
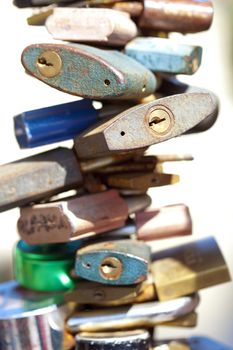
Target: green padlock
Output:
{"points": [[45, 267]]}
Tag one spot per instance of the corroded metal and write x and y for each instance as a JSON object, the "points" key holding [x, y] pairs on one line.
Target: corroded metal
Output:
{"points": [[93, 25], [76, 218], [185, 16], [188, 268], [131, 129], [37, 177], [140, 181], [134, 8], [46, 174], [65, 220], [91, 72], [165, 55], [120, 262], [93, 293]]}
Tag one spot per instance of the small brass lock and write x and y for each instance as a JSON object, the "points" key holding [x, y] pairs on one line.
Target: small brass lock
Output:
{"points": [[49, 64]]}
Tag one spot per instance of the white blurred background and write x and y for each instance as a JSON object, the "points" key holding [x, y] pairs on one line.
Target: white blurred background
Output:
{"points": [[206, 183]]}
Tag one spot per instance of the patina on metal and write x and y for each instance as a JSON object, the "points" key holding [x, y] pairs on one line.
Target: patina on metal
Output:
{"points": [[89, 72], [140, 181], [165, 55], [134, 8], [93, 293], [188, 268], [121, 262], [185, 16]]}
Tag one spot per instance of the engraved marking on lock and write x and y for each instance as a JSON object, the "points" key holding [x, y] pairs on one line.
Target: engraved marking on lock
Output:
{"points": [[160, 120], [49, 64], [99, 295], [110, 268]]}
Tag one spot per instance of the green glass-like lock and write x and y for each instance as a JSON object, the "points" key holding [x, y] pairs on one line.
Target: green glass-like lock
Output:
{"points": [[45, 267]]}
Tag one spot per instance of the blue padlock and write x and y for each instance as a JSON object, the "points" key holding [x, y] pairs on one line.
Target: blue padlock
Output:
{"points": [[54, 124]]}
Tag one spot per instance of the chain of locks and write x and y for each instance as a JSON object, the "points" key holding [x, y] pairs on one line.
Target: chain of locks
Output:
{"points": [[86, 277]]}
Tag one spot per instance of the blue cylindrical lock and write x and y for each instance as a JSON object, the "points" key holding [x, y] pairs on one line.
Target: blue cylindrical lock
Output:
{"points": [[54, 124]]}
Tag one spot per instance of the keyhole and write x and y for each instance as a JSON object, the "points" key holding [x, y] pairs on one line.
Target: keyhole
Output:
{"points": [[49, 64], [108, 269], [159, 120], [111, 268], [42, 60], [156, 120]]}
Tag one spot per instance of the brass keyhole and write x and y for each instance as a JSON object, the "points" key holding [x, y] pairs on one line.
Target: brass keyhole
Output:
{"points": [[160, 120], [49, 64], [110, 268], [42, 60], [156, 120]]}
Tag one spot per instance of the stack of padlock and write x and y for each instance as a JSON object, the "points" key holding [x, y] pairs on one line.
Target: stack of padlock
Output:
{"points": [[85, 278]]}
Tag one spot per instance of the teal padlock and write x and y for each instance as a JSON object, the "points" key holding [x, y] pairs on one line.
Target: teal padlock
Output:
{"points": [[89, 72], [165, 55], [122, 262]]}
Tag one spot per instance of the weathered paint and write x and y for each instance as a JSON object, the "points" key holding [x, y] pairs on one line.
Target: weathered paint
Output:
{"points": [[133, 256], [93, 73], [165, 55], [131, 129]]}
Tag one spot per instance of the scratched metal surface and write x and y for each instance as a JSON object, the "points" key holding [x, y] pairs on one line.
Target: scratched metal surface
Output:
{"points": [[133, 256], [93, 73], [165, 55], [132, 316], [93, 25], [130, 129], [65, 220], [183, 16], [37, 177]]}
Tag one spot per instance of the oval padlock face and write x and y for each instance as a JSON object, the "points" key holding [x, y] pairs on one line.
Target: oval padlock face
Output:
{"points": [[128, 340]]}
